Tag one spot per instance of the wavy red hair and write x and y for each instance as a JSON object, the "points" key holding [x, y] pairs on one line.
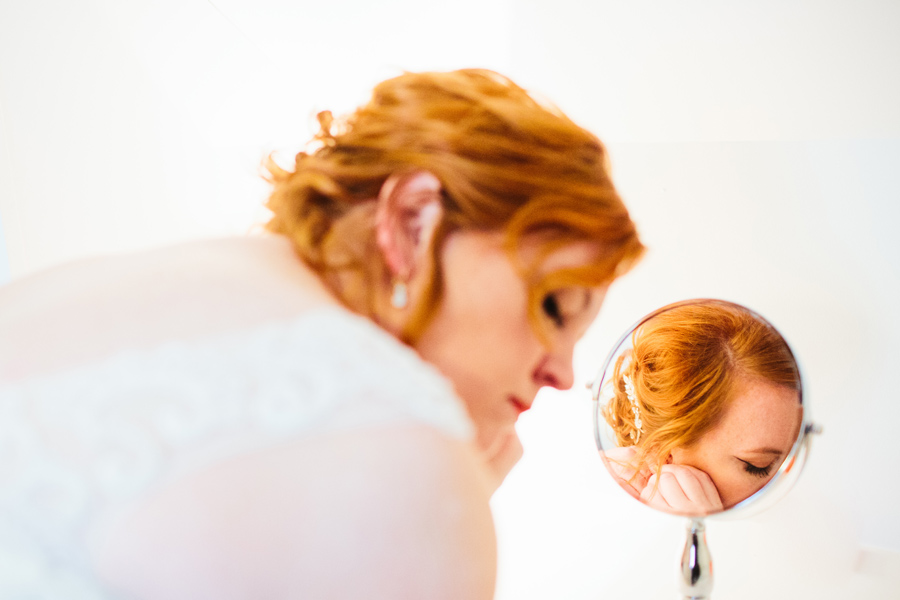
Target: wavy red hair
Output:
{"points": [[685, 364], [506, 161]]}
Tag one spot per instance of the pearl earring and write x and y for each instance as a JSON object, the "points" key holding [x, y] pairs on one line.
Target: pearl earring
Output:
{"points": [[399, 295]]}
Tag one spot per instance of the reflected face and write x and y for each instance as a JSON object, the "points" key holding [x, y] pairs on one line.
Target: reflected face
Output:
{"points": [[481, 337], [746, 448]]}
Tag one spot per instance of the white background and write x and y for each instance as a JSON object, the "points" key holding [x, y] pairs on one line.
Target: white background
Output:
{"points": [[756, 143]]}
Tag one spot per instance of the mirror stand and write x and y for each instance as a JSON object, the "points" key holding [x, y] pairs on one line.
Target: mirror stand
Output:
{"points": [[696, 575]]}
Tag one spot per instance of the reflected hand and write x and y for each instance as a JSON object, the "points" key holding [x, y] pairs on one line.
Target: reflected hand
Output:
{"points": [[620, 462], [683, 489]]}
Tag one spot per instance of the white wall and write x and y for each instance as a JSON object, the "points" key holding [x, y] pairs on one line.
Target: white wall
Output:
{"points": [[800, 232], [5, 188], [756, 143], [4, 260], [139, 123]]}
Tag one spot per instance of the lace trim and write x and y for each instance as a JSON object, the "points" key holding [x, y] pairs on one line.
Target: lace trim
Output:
{"points": [[74, 443]]}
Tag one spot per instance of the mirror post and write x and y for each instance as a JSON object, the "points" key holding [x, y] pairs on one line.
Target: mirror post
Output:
{"points": [[696, 575]]}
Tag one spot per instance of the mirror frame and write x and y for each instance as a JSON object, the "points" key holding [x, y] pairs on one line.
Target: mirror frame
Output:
{"points": [[793, 463]]}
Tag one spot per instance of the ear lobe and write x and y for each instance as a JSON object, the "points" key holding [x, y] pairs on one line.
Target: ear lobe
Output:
{"points": [[408, 211]]}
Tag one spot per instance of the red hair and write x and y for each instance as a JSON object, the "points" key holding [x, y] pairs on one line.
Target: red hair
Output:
{"points": [[505, 160], [685, 364]]}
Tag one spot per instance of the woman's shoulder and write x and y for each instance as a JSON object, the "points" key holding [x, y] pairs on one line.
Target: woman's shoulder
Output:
{"points": [[203, 330], [80, 312]]}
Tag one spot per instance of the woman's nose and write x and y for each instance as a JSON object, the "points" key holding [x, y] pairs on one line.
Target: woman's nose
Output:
{"points": [[556, 370]]}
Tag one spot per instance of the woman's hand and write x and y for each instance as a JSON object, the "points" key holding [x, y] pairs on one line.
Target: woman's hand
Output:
{"points": [[621, 463], [682, 489], [501, 456]]}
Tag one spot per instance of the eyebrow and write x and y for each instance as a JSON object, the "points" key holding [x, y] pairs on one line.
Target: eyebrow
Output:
{"points": [[773, 451]]}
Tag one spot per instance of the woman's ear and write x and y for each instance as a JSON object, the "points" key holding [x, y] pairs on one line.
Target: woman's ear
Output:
{"points": [[407, 214]]}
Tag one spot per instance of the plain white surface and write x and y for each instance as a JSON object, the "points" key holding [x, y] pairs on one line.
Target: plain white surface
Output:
{"points": [[4, 261], [757, 145]]}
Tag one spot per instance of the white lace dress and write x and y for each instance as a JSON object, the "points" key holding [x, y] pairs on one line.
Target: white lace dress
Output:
{"points": [[77, 444]]}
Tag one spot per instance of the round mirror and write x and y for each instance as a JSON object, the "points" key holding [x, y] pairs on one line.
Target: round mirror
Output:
{"points": [[699, 409]]}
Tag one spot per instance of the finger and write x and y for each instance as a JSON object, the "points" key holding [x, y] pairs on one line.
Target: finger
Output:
{"points": [[633, 491], [517, 450], [699, 486], [640, 479], [652, 496], [509, 454], [688, 481], [711, 491], [631, 482], [619, 468], [620, 462], [497, 443], [700, 493], [622, 453], [671, 490], [500, 456]]}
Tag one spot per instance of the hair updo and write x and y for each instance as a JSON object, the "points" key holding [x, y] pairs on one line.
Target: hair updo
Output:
{"points": [[506, 161], [684, 366]]}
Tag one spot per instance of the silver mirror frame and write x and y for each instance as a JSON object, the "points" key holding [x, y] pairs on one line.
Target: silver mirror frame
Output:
{"points": [[695, 574]]}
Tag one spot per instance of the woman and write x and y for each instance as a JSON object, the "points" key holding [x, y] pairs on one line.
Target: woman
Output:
{"points": [[324, 411], [704, 408]]}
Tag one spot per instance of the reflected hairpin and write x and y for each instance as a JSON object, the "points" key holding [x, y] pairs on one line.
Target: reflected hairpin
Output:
{"points": [[638, 424]]}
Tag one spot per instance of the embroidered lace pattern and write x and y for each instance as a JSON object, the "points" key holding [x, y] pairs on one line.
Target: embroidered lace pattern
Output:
{"points": [[81, 441]]}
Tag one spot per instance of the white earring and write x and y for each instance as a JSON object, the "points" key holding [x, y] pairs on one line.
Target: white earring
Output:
{"points": [[399, 295]]}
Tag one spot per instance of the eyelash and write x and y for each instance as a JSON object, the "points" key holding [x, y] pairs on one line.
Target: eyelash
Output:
{"points": [[757, 471], [550, 305]]}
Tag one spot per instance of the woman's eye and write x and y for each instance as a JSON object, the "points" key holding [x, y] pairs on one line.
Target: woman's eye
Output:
{"points": [[551, 308], [757, 471], [566, 303]]}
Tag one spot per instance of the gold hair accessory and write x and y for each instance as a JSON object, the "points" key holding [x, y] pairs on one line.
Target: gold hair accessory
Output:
{"points": [[638, 424]]}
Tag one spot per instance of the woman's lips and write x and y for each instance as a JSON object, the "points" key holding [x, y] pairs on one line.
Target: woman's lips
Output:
{"points": [[518, 404]]}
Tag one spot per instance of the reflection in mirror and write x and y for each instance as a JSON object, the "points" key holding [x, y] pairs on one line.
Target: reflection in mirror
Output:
{"points": [[698, 407]]}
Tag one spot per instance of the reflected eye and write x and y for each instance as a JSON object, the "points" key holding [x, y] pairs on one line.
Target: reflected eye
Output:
{"points": [[757, 471], [550, 306]]}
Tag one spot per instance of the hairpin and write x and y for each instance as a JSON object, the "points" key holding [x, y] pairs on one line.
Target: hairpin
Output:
{"points": [[638, 424]]}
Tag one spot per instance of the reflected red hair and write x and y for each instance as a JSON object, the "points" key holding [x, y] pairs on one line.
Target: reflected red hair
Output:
{"points": [[685, 364]]}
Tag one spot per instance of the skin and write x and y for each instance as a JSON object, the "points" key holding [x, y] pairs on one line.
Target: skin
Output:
{"points": [[242, 527], [385, 513], [744, 450], [482, 339], [730, 463], [681, 489]]}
